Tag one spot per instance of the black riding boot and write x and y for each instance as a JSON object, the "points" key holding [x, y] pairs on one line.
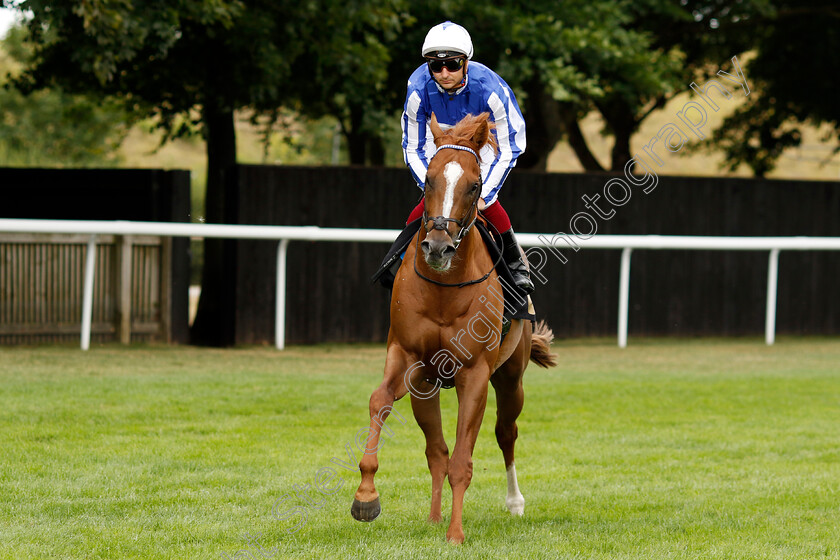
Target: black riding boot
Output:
{"points": [[389, 267], [515, 262]]}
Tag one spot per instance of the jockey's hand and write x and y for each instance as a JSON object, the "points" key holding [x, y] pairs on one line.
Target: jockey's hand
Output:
{"points": [[481, 204]]}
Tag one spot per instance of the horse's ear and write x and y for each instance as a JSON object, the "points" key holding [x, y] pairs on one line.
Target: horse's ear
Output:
{"points": [[437, 131], [482, 130]]}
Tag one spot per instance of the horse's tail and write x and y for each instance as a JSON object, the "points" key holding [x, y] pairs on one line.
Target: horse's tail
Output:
{"points": [[541, 353]]}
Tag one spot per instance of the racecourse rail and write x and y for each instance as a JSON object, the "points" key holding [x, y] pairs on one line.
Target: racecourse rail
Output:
{"points": [[285, 234]]}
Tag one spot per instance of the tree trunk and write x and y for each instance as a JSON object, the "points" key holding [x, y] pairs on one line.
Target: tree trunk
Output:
{"points": [[355, 148], [622, 129], [545, 126], [376, 151], [364, 147], [622, 122], [214, 321], [577, 141], [356, 140], [548, 121]]}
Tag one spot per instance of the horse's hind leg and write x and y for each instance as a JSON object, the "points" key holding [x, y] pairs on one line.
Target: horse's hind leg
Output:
{"points": [[366, 506], [510, 397], [427, 414]]}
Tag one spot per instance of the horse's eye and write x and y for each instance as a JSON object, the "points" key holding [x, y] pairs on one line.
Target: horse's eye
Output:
{"points": [[473, 188]]}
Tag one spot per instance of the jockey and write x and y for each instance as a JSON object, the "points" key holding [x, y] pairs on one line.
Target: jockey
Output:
{"points": [[451, 86]]}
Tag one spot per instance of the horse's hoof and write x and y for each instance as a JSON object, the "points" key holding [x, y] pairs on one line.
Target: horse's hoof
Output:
{"points": [[516, 505], [365, 511], [455, 537]]}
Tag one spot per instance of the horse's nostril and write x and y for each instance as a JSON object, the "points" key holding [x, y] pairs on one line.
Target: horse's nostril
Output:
{"points": [[437, 248]]}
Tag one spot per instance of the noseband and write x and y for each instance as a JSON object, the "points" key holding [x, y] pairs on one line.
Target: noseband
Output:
{"points": [[441, 222]]}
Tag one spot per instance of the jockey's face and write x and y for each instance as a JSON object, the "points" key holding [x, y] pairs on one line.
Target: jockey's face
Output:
{"points": [[446, 78]]}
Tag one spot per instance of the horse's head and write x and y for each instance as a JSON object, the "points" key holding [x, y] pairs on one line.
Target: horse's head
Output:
{"points": [[453, 186]]}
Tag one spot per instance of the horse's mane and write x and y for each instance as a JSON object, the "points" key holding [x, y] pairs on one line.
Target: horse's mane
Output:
{"points": [[465, 132]]}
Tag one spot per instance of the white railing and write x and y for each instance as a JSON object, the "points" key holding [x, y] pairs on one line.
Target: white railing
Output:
{"points": [[285, 234]]}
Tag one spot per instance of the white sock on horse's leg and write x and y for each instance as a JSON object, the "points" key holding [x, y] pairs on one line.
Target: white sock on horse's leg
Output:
{"points": [[514, 501]]}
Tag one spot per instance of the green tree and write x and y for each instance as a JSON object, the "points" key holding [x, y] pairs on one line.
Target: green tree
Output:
{"points": [[563, 59], [594, 59], [52, 128], [626, 59], [622, 59], [794, 78], [190, 64], [348, 76]]}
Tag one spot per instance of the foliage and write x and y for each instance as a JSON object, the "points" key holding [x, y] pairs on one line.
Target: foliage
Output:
{"points": [[162, 60], [173, 57], [563, 59], [345, 74], [621, 59], [177, 60], [626, 59], [191, 64], [756, 134], [51, 127], [794, 80], [603, 59]]}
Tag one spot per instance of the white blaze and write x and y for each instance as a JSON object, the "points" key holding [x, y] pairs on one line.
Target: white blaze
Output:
{"points": [[452, 173]]}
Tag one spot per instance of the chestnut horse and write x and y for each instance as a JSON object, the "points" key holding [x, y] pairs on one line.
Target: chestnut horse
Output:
{"points": [[446, 320]]}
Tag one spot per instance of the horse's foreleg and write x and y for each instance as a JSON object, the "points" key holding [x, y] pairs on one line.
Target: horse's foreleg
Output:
{"points": [[366, 506], [472, 398], [427, 414]]}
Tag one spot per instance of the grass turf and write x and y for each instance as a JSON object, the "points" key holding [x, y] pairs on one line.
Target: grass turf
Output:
{"points": [[667, 449]]}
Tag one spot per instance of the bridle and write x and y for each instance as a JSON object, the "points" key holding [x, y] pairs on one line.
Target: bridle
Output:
{"points": [[441, 222]]}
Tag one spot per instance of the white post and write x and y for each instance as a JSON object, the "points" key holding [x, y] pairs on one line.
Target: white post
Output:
{"points": [[624, 297], [87, 296], [280, 310], [772, 288]]}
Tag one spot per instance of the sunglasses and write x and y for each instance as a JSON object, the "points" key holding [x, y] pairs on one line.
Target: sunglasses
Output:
{"points": [[451, 64]]}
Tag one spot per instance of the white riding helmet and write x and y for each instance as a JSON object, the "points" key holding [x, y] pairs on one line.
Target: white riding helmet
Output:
{"points": [[446, 38]]}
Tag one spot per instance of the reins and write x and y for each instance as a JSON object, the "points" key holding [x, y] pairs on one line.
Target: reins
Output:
{"points": [[457, 284], [439, 222]]}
